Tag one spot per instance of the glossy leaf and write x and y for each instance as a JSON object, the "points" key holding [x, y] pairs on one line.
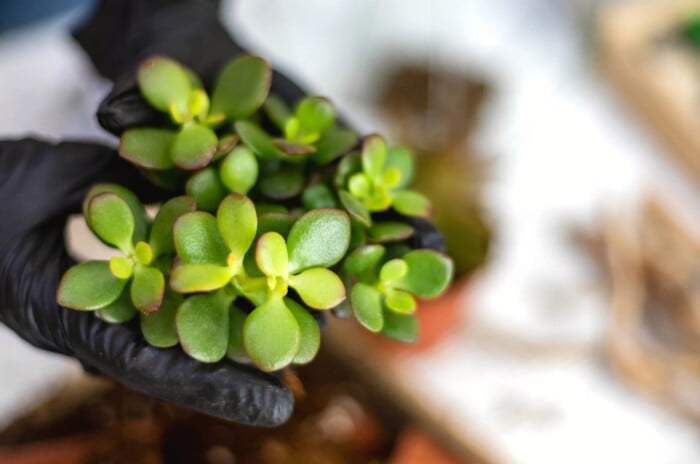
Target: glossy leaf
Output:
{"points": [[119, 311], [198, 103], [410, 203], [193, 147], [400, 327], [271, 336], [382, 232], [137, 209], [319, 238], [89, 286], [159, 327], [202, 323], [355, 208], [257, 139], [271, 255], [318, 196], [197, 239], [400, 301], [147, 287], [206, 188], [315, 115], [429, 273], [334, 144], [161, 238], [236, 350], [366, 304], [393, 269], [121, 267], [363, 259], [277, 110], [147, 147], [143, 253], [237, 221], [239, 170], [373, 156], [318, 287], [310, 340], [282, 184], [401, 159], [241, 87], [112, 221], [192, 278], [163, 81]]}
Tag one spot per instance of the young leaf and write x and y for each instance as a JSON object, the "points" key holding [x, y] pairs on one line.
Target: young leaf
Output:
{"points": [[401, 160], [271, 255], [282, 184], [319, 238], [206, 188], [197, 239], [277, 110], [318, 196], [235, 350], [241, 87], [257, 139], [202, 323], [400, 327], [239, 170], [163, 81], [161, 239], [147, 147], [193, 147], [383, 232], [159, 327], [315, 115], [137, 209], [363, 259], [310, 333], [429, 273], [121, 267], [334, 144], [393, 269], [198, 103], [410, 203], [237, 222], [318, 287], [400, 301], [193, 278], [143, 253], [366, 303], [147, 289], [271, 336], [112, 221], [355, 208], [119, 311], [373, 156], [347, 166], [89, 286]]}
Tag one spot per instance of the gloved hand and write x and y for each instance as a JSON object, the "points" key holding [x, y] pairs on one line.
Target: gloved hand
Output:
{"points": [[40, 184]]}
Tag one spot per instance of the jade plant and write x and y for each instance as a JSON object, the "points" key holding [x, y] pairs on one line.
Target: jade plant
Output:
{"points": [[274, 215]]}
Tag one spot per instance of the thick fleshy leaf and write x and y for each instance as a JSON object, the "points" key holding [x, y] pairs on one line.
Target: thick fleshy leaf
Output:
{"points": [[271, 336], [310, 334], [121, 267], [282, 184], [373, 156], [206, 188], [161, 239], [237, 222], [347, 166], [163, 82], [334, 144], [137, 209], [318, 287], [318, 196], [226, 144], [379, 200], [294, 150], [366, 304], [193, 278], [401, 159], [241, 87], [112, 221], [198, 104], [119, 311], [355, 208], [147, 287], [319, 238], [239, 170], [429, 273], [382, 232], [257, 139], [315, 115], [393, 270], [147, 147], [400, 327], [271, 255], [410, 203], [275, 222], [236, 350], [159, 327], [143, 253], [400, 301], [193, 147], [363, 259], [360, 185], [277, 110], [89, 286], [202, 323], [197, 239]]}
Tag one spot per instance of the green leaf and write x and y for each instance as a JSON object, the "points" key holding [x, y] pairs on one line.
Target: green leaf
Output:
{"points": [[318, 287], [119, 311], [429, 273], [121, 267], [271, 336], [315, 115], [400, 327], [363, 259], [275, 222], [143, 253], [241, 87], [112, 221], [393, 269], [400, 301], [193, 147], [319, 238], [310, 334], [239, 170], [277, 110], [257, 139], [161, 238], [379, 200], [89, 286], [237, 221], [410, 203], [147, 147], [347, 166], [202, 323], [236, 350], [334, 144], [366, 304], [271, 255], [163, 81], [137, 209], [197, 239], [226, 144], [147, 289], [159, 327], [318, 196], [170, 179], [206, 188], [355, 208], [283, 184], [360, 185], [198, 103], [294, 150], [193, 278], [383, 232], [373, 156], [402, 160]]}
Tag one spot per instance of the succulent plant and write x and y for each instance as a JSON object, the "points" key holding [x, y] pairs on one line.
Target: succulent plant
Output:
{"points": [[268, 227]]}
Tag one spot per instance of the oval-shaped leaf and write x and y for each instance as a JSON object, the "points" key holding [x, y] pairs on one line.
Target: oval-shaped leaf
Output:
{"points": [[119, 311], [363, 259], [316, 115], [197, 239], [366, 304], [192, 278], [271, 336], [429, 273], [319, 238], [202, 323], [161, 239], [392, 270], [410, 203], [355, 208], [89, 286], [137, 209], [373, 156], [236, 350], [318, 287], [383, 232], [271, 255], [239, 170], [147, 287], [112, 221], [206, 188], [159, 327], [241, 87], [193, 147], [294, 150], [400, 327], [163, 81], [401, 159], [237, 222], [310, 333], [334, 144], [400, 301], [257, 140], [147, 147], [283, 184]]}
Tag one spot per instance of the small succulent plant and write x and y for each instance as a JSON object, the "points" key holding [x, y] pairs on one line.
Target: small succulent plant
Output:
{"points": [[264, 227]]}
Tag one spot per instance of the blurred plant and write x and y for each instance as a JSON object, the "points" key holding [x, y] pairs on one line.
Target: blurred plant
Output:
{"points": [[261, 239], [690, 30]]}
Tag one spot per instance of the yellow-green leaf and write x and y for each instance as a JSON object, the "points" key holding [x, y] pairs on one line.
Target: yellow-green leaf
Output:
{"points": [[89, 286]]}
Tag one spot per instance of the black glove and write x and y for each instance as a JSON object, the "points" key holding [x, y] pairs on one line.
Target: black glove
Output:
{"points": [[40, 184]]}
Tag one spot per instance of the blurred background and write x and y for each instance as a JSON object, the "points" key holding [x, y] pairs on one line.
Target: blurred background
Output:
{"points": [[560, 143]]}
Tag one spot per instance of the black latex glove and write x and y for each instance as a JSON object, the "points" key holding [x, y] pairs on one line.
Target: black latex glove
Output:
{"points": [[40, 184]]}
